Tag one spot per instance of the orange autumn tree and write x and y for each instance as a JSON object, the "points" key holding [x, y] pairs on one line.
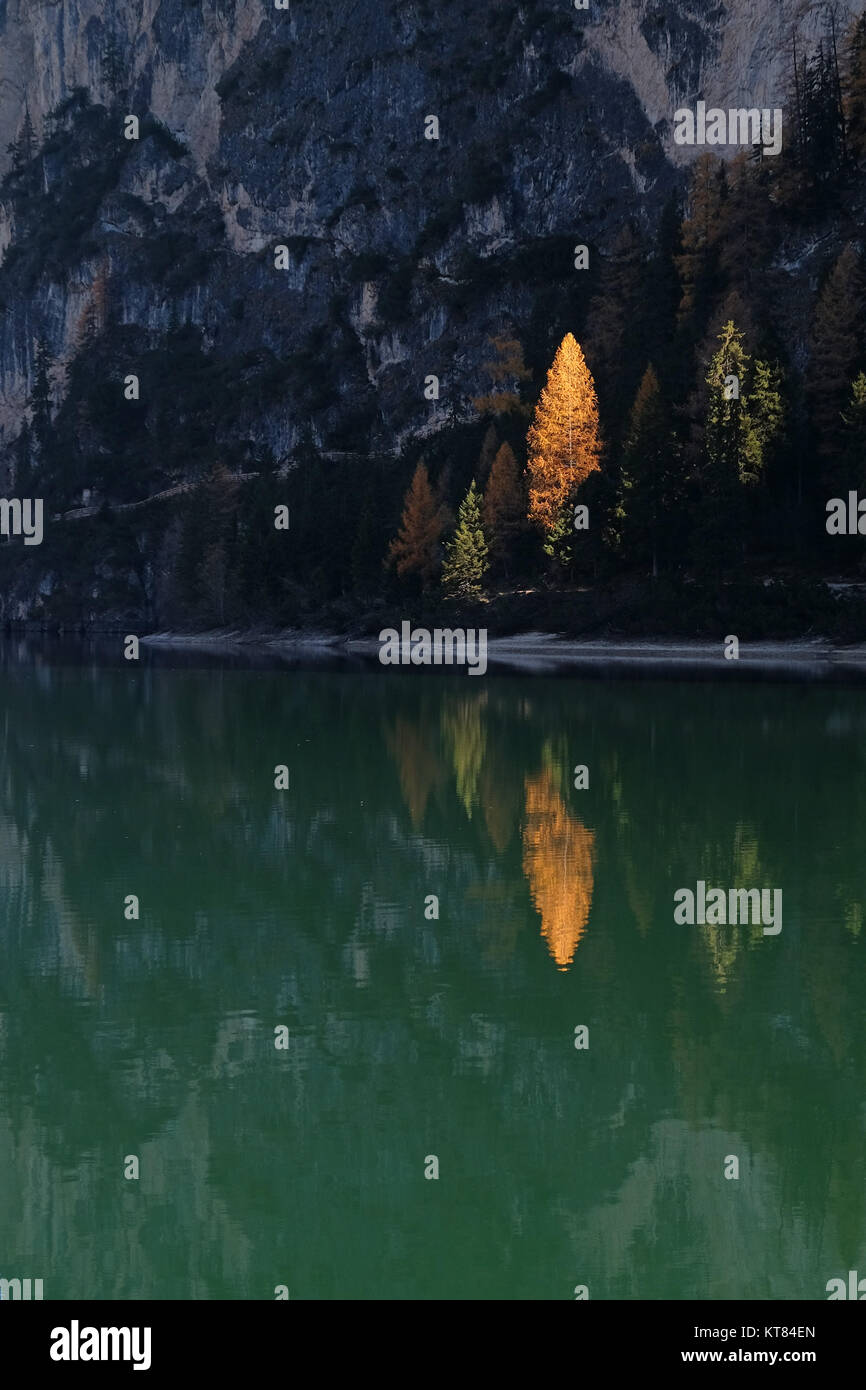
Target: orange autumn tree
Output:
{"points": [[564, 440], [415, 550]]}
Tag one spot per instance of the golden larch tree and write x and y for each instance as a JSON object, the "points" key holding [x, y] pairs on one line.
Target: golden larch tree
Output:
{"points": [[564, 440]]}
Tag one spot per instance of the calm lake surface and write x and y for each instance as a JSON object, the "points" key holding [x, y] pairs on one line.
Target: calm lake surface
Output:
{"points": [[412, 1037]]}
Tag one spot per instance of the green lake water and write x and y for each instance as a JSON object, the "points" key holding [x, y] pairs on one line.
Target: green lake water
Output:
{"points": [[410, 1036]]}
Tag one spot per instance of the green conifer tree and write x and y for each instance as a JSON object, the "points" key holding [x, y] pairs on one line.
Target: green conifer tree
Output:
{"points": [[466, 554], [744, 415], [744, 418]]}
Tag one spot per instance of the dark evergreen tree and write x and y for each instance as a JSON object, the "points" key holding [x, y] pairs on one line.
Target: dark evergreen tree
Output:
{"points": [[746, 230], [836, 351], [647, 511], [615, 338], [23, 148], [114, 67], [366, 559], [489, 446], [854, 88], [816, 154], [39, 400], [661, 297], [697, 262]]}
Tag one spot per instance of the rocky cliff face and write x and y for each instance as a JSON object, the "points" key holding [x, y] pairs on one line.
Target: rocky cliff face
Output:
{"points": [[265, 127], [175, 54], [309, 129], [734, 54]]}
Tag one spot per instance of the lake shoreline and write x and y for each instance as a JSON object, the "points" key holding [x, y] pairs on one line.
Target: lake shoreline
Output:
{"points": [[547, 653]]}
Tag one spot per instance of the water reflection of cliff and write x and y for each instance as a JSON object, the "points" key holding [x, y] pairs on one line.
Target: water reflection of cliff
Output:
{"points": [[307, 907]]}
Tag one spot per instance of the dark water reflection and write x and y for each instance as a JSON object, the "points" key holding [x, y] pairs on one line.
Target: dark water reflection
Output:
{"points": [[411, 1036]]}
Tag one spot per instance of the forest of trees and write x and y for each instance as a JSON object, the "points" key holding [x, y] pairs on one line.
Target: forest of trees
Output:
{"points": [[677, 432], [683, 435]]}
